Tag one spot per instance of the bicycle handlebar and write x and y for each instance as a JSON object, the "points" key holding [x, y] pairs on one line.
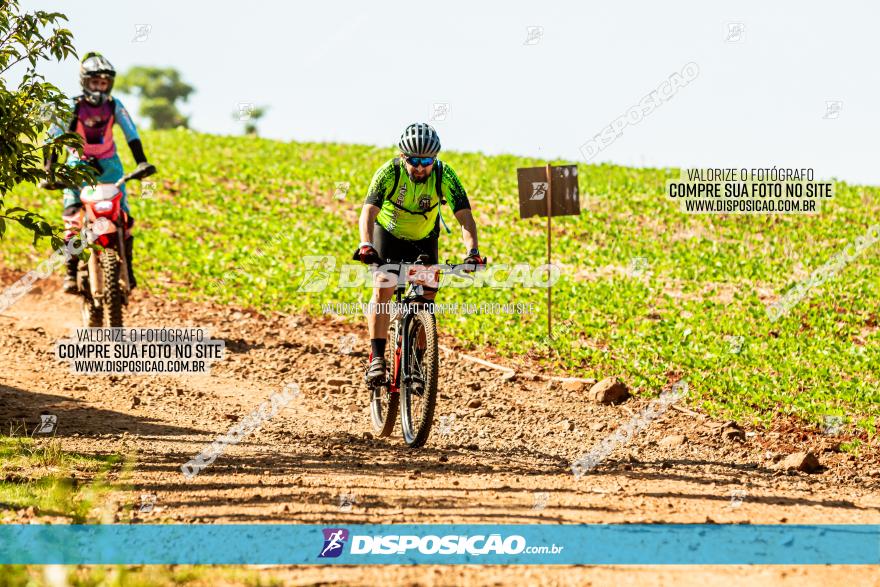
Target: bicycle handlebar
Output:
{"points": [[449, 264]]}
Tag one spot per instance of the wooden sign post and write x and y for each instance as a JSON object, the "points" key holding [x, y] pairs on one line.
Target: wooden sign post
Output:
{"points": [[549, 247], [558, 188]]}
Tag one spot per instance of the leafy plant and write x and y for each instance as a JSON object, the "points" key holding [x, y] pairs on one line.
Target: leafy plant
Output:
{"points": [[37, 473], [29, 108]]}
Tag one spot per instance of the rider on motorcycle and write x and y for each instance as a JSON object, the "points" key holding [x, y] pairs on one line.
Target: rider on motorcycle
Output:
{"points": [[401, 219], [94, 113]]}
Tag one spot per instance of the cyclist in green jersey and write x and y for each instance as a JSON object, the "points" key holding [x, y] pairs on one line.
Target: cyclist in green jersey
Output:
{"points": [[401, 220]]}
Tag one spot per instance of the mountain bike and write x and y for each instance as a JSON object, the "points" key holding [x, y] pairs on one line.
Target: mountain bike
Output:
{"points": [[411, 386]]}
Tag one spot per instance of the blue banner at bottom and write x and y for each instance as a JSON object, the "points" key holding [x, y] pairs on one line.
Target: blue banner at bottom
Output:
{"points": [[355, 544]]}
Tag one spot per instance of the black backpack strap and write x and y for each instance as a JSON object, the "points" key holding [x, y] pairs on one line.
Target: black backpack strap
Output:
{"points": [[396, 177], [439, 179], [440, 194]]}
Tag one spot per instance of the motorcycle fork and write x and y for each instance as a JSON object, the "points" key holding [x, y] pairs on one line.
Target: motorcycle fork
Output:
{"points": [[123, 264], [96, 277]]}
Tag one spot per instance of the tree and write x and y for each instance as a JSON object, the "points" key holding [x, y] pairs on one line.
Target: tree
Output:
{"points": [[29, 109], [249, 114], [159, 89]]}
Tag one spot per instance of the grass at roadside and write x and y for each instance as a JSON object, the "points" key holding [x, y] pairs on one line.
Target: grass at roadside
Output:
{"points": [[38, 480], [248, 210], [41, 483]]}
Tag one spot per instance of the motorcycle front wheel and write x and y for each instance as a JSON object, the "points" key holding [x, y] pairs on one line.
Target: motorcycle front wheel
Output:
{"points": [[112, 301]]}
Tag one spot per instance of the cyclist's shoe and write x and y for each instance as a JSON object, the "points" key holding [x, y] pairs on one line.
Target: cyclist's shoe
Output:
{"points": [[69, 286], [376, 370]]}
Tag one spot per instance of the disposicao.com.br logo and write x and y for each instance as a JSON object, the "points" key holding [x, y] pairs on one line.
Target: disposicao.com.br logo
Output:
{"points": [[394, 544], [334, 542]]}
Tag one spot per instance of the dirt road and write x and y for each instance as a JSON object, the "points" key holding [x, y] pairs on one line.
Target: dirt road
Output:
{"points": [[503, 453]]}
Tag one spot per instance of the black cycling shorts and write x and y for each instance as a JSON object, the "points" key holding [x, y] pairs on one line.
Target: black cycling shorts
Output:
{"points": [[397, 249]]}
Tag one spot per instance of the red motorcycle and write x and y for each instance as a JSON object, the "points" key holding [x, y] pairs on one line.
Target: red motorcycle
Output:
{"points": [[102, 281]]}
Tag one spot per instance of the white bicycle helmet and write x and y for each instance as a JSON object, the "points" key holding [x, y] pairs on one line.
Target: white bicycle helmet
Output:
{"points": [[419, 140]]}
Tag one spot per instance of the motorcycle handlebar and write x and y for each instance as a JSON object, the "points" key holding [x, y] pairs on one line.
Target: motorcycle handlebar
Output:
{"points": [[139, 173]]}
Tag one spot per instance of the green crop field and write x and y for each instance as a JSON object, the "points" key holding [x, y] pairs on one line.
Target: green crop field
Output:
{"points": [[248, 211]]}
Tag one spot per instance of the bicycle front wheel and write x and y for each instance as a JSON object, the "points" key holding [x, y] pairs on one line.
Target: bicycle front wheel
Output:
{"points": [[419, 382]]}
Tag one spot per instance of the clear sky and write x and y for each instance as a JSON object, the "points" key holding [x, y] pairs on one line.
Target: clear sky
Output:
{"points": [[360, 71]]}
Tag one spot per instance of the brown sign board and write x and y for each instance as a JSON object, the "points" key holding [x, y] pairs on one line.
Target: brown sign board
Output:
{"points": [[533, 188]]}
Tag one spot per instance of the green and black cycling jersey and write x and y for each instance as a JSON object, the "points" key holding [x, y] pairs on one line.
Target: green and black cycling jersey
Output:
{"points": [[411, 211]]}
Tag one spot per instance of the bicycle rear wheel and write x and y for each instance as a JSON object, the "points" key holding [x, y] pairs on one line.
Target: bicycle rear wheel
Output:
{"points": [[419, 383]]}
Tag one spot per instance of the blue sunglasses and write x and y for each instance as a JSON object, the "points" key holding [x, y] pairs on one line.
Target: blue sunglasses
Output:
{"points": [[417, 161]]}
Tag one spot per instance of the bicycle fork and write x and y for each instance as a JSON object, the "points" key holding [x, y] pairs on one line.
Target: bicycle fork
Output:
{"points": [[401, 358]]}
